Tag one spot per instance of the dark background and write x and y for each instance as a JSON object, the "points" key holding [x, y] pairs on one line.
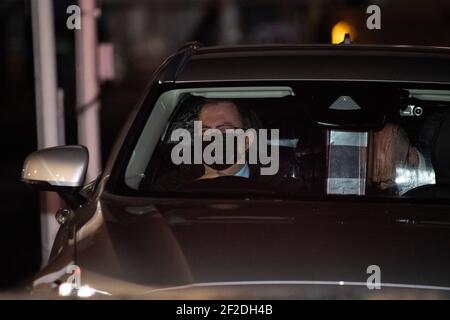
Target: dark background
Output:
{"points": [[144, 33]]}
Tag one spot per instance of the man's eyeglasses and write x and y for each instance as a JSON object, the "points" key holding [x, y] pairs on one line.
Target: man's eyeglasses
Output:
{"points": [[222, 128]]}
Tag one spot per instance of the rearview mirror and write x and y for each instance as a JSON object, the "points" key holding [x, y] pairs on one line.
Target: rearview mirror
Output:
{"points": [[56, 169]]}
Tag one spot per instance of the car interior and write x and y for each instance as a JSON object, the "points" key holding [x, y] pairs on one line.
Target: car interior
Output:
{"points": [[329, 143], [440, 158]]}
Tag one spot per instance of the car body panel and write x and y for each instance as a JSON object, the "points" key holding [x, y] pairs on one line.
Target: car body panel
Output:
{"points": [[345, 63], [232, 245]]}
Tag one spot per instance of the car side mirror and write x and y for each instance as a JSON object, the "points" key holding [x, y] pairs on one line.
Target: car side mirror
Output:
{"points": [[61, 169]]}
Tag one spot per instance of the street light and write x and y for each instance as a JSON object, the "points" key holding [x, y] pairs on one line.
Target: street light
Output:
{"points": [[339, 31]]}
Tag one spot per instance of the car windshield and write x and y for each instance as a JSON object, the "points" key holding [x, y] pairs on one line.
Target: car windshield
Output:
{"points": [[297, 138]]}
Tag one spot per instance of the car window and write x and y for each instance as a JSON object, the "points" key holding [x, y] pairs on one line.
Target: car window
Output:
{"points": [[297, 138]]}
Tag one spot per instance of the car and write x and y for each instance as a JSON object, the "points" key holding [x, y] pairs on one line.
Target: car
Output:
{"points": [[339, 186]]}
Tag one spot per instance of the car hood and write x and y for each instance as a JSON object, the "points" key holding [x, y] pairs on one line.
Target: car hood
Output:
{"points": [[187, 244]]}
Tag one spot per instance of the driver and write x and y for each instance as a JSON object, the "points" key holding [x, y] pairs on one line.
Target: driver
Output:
{"points": [[224, 115], [220, 115]]}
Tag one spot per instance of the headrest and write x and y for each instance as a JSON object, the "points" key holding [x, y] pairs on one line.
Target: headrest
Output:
{"points": [[441, 151]]}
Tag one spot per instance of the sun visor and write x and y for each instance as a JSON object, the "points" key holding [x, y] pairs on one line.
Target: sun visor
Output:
{"points": [[243, 92]]}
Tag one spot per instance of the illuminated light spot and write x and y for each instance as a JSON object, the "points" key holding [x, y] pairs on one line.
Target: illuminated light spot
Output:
{"points": [[341, 283], [414, 177], [85, 292], [340, 29], [65, 289]]}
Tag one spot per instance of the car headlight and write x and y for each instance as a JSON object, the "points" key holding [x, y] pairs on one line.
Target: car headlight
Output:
{"points": [[67, 289]]}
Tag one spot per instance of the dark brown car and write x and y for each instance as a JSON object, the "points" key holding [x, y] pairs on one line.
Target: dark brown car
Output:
{"points": [[357, 204]]}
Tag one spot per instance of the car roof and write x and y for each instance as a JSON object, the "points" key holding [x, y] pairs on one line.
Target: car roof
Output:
{"points": [[345, 62]]}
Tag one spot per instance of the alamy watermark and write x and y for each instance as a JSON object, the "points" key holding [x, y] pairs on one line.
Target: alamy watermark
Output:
{"points": [[232, 146], [74, 20], [72, 286], [374, 279], [373, 22]]}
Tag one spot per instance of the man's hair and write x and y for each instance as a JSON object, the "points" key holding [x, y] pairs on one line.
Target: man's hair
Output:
{"points": [[191, 107], [248, 118]]}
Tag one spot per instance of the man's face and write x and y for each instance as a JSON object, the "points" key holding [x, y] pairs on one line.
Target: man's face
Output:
{"points": [[221, 115], [224, 116]]}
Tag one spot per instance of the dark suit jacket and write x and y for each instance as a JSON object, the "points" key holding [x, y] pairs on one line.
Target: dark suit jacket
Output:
{"points": [[183, 175]]}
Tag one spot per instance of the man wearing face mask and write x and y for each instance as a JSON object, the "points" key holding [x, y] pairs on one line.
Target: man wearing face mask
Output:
{"points": [[220, 116], [226, 118], [223, 116]]}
